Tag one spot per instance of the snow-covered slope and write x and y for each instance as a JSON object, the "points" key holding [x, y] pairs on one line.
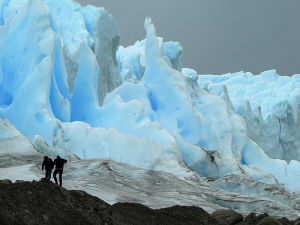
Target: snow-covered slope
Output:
{"points": [[61, 79]]}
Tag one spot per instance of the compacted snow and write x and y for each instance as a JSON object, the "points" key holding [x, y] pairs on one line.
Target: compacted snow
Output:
{"points": [[71, 90]]}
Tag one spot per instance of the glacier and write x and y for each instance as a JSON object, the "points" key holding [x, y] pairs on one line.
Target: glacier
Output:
{"points": [[223, 118], [269, 103], [67, 85], [115, 182]]}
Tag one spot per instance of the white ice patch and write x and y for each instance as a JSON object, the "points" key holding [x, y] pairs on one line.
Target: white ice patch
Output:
{"points": [[24, 172], [48, 150]]}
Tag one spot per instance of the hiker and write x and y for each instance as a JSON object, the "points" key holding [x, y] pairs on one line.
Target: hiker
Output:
{"points": [[48, 165], [59, 168]]}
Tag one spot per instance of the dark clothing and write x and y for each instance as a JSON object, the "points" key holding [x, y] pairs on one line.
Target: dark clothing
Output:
{"points": [[48, 164], [48, 175], [59, 163], [59, 168], [60, 172]]}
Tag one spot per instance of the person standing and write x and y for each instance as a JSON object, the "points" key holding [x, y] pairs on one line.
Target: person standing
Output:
{"points": [[59, 168], [48, 165]]}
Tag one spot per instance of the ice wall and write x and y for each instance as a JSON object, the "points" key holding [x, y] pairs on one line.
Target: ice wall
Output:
{"points": [[269, 103], [56, 72], [40, 45], [95, 27], [196, 117], [27, 68], [175, 101]]}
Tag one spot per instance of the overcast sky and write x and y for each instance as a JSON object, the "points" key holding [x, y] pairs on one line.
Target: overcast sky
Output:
{"points": [[218, 36]]}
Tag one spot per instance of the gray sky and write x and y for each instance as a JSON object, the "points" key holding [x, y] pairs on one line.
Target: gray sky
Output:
{"points": [[218, 36]]}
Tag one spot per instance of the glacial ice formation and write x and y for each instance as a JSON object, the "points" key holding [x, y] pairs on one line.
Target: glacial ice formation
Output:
{"points": [[132, 58], [197, 117], [61, 78], [118, 182], [270, 105]]}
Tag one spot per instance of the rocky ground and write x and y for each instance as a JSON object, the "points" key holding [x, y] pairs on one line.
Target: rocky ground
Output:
{"points": [[35, 202]]}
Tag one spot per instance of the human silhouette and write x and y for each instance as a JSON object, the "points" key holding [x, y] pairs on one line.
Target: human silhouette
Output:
{"points": [[59, 168], [48, 165]]}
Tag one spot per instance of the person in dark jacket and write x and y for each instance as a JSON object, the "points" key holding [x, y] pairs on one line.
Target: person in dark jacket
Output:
{"points": [[48, 165], [59, 168]]}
